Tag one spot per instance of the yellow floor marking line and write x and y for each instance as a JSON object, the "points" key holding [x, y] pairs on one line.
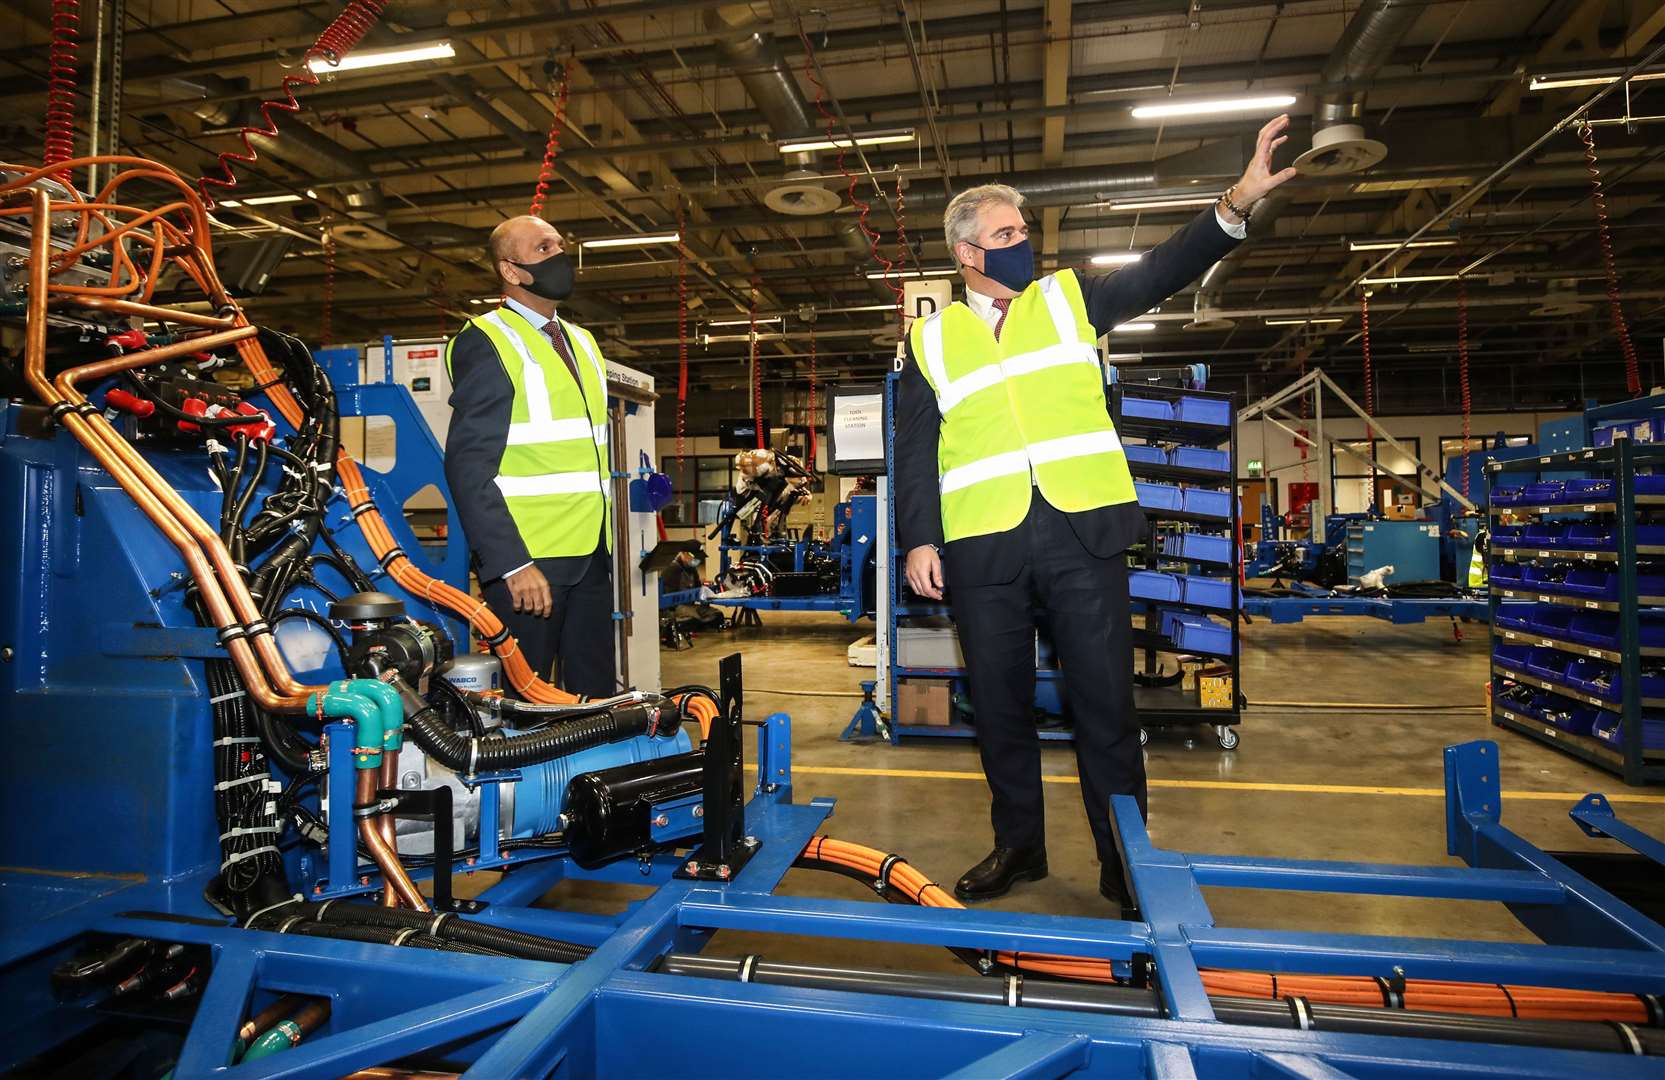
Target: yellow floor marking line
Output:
{"points": [[1232, 785]]}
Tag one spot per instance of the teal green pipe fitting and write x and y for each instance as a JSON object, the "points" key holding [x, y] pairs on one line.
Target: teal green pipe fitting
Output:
{"points": [[365, 714], [282, 1037], [393, 710]]}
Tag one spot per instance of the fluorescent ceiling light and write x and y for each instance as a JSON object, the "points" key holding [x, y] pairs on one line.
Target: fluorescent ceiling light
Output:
{"points": [[843, 142], [746, 322], [1261, 102], [262, 200], [1133, 327], [1163, 204], [1409, 279], [1388, 245], [1117, 258], [1124, 356], [941, 271], [1440, 347], [721, 339], [1410, 183], [1301, 322], [359, 59], [486, 300], [643, 240], [1563, 80]]}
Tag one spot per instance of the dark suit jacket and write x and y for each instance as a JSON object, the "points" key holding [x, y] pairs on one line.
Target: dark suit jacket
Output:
{"points": [[482, 400], [1110, 299]]}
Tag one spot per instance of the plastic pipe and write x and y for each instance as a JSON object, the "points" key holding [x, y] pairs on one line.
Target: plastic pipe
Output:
{"points": [[366, 716]]}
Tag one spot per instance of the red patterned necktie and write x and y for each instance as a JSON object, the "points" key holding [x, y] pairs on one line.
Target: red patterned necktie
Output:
{"points": [[553, 329], [1001, 306]]}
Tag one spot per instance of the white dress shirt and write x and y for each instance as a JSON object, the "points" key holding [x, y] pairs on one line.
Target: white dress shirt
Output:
{"points": [[983, 306]]}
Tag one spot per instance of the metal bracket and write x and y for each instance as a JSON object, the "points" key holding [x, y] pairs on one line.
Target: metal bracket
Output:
{"points": [[1473, 795], [435, 802], [727, 847]]}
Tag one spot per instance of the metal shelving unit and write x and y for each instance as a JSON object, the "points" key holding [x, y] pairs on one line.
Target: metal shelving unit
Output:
{"points": [[1160, 703], [1565, 729]]}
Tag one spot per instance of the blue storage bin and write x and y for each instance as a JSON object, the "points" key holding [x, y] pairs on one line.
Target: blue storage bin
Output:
{"points": [[1508, 535], [1547, 664], [1507, 575], [1507, 496], [1610, 728], [1603, 436], [1606, 727], [1141, 454], [1580, 720], [1594, 537], [1146, 408], [1542, 494], [1512, 656], [1207, 502], [1195, 457], [1158, 496], [1594, 677], [1549, 621], [1197, 546], [1649, 535], [1589, 584], [1650, 485], [1196, 633], [1197, 410], [1557, 711], [1544, 536], [1206, 592], [1149, 585], [1583, 491], [1514, 616], [1596, 628]]}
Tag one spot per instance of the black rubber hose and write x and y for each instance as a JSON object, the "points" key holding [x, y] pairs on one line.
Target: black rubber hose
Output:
{"points": [[282, 744], [468, 754], [386, 935], [454, 928], [317, 620]]}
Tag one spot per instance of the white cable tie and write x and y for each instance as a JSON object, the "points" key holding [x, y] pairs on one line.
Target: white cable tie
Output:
{"points": [[250, 779], [289, 470], [242, 855], [253, 831], [236, 740], [296, 899], [405, 935], [322, 466], [439, 921], [1012, 996], [215, 446], [274, 787], [473, 755], [228, 697], [748, 967]]}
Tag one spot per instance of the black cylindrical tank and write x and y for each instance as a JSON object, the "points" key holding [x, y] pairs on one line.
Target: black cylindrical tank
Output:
{"points": [[609, 814]]}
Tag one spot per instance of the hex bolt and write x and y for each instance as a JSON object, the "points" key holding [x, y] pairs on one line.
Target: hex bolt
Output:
{"points": [[661, 821], [6, 653], [692, 867], [699, 811], [723, 871]]}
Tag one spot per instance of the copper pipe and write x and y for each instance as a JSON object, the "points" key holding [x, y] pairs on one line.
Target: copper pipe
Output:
{"points": [[113, 462], [388, 826], [66, 381], [271, 1014], [147, 311], [392, 872]]}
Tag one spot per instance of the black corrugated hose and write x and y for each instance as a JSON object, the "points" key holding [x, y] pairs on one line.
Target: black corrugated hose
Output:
{"points": [[371, 922]]}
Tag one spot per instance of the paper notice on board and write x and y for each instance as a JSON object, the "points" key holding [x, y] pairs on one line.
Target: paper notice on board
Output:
{"points": [[858, 427]]}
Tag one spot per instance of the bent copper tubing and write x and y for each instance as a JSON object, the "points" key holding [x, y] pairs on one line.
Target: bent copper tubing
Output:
{"points": [[393, 874], [111, 456], [148, 311], [389, 827]]}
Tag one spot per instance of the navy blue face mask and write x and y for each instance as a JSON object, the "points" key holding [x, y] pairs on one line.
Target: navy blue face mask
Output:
{"points": [[1013, 267]]}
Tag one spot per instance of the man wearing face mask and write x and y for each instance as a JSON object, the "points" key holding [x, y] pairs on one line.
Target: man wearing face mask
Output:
{"points": [[527, 461], [1012, 491]]}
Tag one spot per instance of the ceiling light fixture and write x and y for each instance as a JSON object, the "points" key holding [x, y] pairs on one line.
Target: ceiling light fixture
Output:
{"points": [[1301, 322], [1256, 103], [1163, 204], [486, 300], [360, 59], [844, 142], [1409, 279], [1389, 245], [1565, 80], [940, 271], [1133, 327], [643, 240], [263, 200], [1117, 258], [747, 322], [731, 339]]}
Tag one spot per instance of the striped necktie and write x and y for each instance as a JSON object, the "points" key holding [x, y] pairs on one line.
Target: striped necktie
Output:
{"points": [[1001, 306], [553, 329]]}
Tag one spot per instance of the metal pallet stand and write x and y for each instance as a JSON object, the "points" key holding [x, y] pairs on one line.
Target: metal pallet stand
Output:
{"points": [[1190, 556], [1556, 658]]}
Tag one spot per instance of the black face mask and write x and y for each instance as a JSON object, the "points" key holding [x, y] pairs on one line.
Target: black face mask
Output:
{"points": [[551, 278]]}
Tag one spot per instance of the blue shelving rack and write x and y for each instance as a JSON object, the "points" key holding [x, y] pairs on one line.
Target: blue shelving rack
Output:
{"points": [[1587, 557]]}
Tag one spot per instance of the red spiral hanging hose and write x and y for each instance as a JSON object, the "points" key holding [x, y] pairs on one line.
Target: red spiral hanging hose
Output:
{"points": [[546, 171], [339, 38], [1598, 199], [1369, 384], [61, 82], [326, 314], [901, 250], [862, 207], [1462, 373], [681, 340], [757, 374], [812, 397]]}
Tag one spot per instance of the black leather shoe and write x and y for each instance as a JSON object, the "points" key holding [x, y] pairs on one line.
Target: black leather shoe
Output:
{"points": [[1113, 887], [995, 875]]}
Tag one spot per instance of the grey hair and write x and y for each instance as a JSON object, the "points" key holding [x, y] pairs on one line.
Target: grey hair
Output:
{"points": [[959, 219]]}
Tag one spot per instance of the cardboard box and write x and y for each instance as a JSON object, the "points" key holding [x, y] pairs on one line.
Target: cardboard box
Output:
{"points": [[923, 702], [1214, 688]]}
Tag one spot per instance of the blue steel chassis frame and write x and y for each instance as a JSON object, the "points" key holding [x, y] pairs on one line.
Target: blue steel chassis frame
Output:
{"points": [[611, 1015]]}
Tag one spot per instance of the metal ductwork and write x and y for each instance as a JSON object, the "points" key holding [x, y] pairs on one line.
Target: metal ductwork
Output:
{"points": [[1339, 144], [761, 68]]}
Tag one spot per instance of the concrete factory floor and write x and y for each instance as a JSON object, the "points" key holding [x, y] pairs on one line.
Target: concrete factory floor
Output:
{"points": [[1276, 795]]}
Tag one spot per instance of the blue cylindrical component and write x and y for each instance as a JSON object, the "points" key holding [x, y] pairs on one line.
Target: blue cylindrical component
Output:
{"points": [[538, 797]]}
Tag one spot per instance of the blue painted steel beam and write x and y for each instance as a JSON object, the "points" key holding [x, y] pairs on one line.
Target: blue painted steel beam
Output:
{"points": [[1032, 1057], [1376, 879], [1595, 816], [865, 921]]}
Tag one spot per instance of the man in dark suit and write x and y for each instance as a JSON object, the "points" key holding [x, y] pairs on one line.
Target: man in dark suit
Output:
{"points": [[527, 462], [1013, 492]]}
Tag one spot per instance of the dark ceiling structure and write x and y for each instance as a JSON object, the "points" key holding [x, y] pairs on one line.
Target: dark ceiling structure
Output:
{"points": [[685, 111]]}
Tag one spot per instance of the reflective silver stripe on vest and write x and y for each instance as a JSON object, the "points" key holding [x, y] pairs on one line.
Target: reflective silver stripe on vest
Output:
{"points": [[540, 427], [560, 483], [549, 431], [1070, 349], [1018, 461]]}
